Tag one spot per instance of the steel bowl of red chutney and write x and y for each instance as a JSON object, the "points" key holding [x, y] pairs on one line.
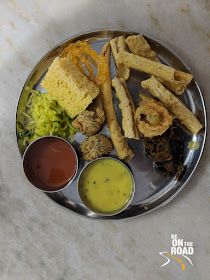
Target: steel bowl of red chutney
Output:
{"points": [[50, 163]]}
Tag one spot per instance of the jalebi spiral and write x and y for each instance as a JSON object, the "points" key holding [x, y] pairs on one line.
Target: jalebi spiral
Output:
{"points": [[83, 56]]}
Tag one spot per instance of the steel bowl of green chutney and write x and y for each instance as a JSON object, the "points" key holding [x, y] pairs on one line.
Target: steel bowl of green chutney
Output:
{"points": [[106, 186]]}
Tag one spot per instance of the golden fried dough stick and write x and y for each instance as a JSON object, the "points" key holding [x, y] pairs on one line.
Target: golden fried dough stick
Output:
{"points": [[120, 143], [127, 107], [154, 68], [123, 71], [117, 45], [138, 45], [173, 104], [176, 87]]}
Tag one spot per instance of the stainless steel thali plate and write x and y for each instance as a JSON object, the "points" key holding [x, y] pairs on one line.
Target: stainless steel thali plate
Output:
{"points": [[152, 190]]}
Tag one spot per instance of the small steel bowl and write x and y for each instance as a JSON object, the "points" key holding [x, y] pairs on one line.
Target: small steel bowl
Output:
{"points": [[117, 211], [27, 168]]}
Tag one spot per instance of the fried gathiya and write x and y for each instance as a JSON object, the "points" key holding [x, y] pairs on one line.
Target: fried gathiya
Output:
{"points": [[138, 45], [117, 45], [127, 107], [154, 68]]}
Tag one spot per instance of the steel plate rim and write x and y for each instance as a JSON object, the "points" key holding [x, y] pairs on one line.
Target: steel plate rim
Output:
{"points": [[203, 108]]}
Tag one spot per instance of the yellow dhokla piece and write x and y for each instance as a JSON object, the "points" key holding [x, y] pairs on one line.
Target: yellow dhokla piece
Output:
{"points": [[69, 86]]}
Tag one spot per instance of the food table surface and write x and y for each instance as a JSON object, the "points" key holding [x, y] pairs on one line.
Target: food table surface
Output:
{"points": [[38, 238]]}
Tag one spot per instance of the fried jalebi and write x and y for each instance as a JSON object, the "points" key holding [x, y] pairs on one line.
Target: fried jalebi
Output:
{"points": [[81, 54]]}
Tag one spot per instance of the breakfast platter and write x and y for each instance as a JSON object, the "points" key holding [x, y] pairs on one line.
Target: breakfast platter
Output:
{"points": [[153, 187]]}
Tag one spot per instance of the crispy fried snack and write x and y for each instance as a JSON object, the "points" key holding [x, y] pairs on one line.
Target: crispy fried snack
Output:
{"points": [[139, 46], [117, 45], [127, 107], [95, 146], [89, 122], [152, 117], [175, 86], [173, 104], [154, 68], [120, 143]]}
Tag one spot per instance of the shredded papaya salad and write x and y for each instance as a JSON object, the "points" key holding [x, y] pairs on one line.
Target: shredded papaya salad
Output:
{"points": [[44, 117]]}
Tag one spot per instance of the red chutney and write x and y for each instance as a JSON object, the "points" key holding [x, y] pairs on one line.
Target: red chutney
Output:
{"points": [[52, 164]]}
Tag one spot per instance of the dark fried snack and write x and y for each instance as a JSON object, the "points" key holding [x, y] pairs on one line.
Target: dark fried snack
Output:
{"points": [[89, 122], [95, 146], [167, 152]]}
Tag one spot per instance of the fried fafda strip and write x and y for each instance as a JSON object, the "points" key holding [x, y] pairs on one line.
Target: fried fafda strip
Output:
{"points": [[120, 143], [117, 45], [123, 71], [127, 107], [176, 87], [173, 104], [154, 68], [138, 45]]}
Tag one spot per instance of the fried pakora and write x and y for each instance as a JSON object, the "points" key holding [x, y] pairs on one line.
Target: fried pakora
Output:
{"points": [[89, 122], [152, 118], [167, 152], [95, 146]]}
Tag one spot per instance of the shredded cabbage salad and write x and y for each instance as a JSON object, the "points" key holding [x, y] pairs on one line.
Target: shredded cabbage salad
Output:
{"points": [[44, 117]]}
